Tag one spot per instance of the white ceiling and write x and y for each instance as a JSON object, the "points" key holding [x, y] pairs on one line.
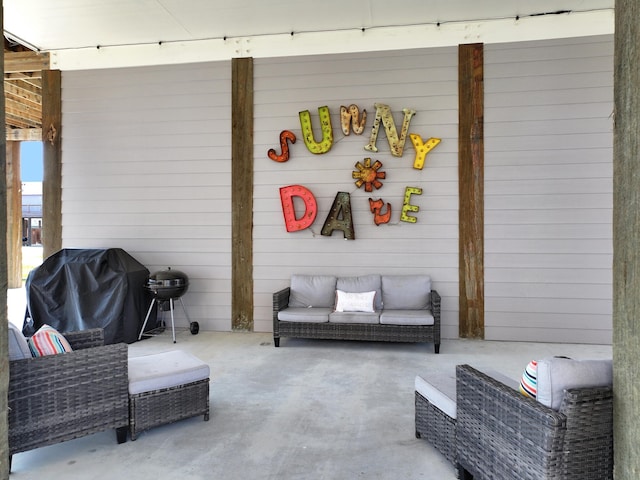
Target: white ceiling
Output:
{"points": [[64, 25]]}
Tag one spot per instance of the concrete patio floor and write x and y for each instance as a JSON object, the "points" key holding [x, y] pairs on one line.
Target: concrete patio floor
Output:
{"points": [[309, 409]]}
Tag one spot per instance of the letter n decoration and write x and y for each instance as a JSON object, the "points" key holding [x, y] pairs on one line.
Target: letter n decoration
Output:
{"points": [[293, 223]]}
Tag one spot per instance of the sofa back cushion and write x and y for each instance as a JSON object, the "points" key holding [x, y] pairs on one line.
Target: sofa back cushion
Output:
{"points": [[312, 291], [406, 292], [18, 346], [557, 374], [362, 283]]}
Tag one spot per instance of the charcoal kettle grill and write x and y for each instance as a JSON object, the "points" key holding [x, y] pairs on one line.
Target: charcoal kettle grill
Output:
{"points": [[167, 286]]}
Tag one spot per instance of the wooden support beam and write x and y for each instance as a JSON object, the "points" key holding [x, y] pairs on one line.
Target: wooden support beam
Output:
{"points": [[242, 194], [24, 135], [52, 162], [626, 238], [15, 62], [14, 216], [471, 189], [4, 357]]}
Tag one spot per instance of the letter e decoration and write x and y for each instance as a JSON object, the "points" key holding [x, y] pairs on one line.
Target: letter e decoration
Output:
{"points": [[407, 207]]}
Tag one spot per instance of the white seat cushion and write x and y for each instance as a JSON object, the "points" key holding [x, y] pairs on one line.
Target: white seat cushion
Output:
{"points": [[407, 317], [313, 315], [165, 370]]}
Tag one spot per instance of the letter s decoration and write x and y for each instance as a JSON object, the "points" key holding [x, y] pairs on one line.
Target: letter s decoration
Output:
{"points": [[284, 156]]}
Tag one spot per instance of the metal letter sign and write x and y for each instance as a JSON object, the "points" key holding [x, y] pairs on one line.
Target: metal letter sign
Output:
{"points": [[350, 118], [292, 223], [307, 131], [284, 156], [339, 217], [422, 149], [383, 113], [407, 207], [376, 207]]}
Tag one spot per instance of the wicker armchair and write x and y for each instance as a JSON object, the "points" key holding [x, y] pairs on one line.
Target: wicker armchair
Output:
{"points": [[60, 397], [502, 435]]}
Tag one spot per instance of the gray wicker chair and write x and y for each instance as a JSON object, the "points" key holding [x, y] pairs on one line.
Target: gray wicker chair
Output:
{"points": [[503, 435], [57, 398]]}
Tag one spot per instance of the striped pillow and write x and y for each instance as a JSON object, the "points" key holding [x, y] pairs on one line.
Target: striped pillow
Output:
{"points": [[48, 341], [529, 382]]}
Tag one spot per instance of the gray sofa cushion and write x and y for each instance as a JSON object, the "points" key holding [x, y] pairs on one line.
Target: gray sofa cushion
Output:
{"points": [[406, 317], [312, 315], [18, 346], [363, 283], [405, 292], [354, 317], [312, 291], [556, 374]]}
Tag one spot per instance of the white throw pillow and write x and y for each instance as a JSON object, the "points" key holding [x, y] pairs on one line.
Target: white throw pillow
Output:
{"points": [[355, 302]]}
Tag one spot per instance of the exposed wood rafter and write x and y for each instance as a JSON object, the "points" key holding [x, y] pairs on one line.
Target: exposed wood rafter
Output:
{"points": [[23, 93]]}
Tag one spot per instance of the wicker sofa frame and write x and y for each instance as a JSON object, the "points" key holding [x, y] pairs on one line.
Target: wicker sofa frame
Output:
{"points": [[57, 398], [355, 331], [502, 435]]}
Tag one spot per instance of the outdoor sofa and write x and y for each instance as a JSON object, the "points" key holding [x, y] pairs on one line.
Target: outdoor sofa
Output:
{"points": [[374, 307]]}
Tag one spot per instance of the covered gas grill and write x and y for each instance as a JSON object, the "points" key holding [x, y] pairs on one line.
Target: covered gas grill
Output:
{"points": [[167, 286]]}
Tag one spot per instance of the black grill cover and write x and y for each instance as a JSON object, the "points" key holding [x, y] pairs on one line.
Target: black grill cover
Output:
{"points": [[77, 289]]}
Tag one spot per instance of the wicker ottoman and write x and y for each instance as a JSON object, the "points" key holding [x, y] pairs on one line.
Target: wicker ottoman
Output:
{"points": [[166, 387], [436, 412]]}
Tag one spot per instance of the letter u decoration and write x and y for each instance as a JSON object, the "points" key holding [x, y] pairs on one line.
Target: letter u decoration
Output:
{"points": [[307, 131]]}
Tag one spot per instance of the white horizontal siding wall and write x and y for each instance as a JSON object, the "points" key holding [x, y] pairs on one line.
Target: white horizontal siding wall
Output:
{"points": [[548, 190], [423, 80], [146, 167]]}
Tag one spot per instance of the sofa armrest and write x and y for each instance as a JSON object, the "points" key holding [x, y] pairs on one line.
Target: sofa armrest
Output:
{"points": [[499, 429], [280, 301], [435, 305], [93, 337]]}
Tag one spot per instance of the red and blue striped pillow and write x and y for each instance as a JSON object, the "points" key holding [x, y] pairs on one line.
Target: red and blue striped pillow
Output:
{"points": [[48, 341], [529, 381]]}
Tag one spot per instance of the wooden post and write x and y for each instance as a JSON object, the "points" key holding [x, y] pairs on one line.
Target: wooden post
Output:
{"points": [[14, 216], [52, 162], [471, 189], [626, 240], [4, 347], [242, 194]]}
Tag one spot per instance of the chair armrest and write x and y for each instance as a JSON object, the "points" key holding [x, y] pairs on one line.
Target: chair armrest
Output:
{"points": [[93, 337], [499, 429]]}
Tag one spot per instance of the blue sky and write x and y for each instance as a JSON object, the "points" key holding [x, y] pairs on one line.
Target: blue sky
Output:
{"points": [[31, 161]]}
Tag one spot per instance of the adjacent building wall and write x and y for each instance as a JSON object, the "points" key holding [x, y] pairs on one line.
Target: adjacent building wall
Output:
{"points": [[146, 167]]}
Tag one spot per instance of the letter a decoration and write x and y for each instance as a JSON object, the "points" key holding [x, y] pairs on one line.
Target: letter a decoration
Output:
{"points": [[307, 131], [339, 217], [293, 223]]}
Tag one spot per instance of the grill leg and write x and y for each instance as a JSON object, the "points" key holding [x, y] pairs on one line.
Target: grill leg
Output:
{"points": [[173, 326], [146, 318]]}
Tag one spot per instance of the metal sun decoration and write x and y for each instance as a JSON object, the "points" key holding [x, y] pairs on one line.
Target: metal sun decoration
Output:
{"points": [[368, 175]]}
